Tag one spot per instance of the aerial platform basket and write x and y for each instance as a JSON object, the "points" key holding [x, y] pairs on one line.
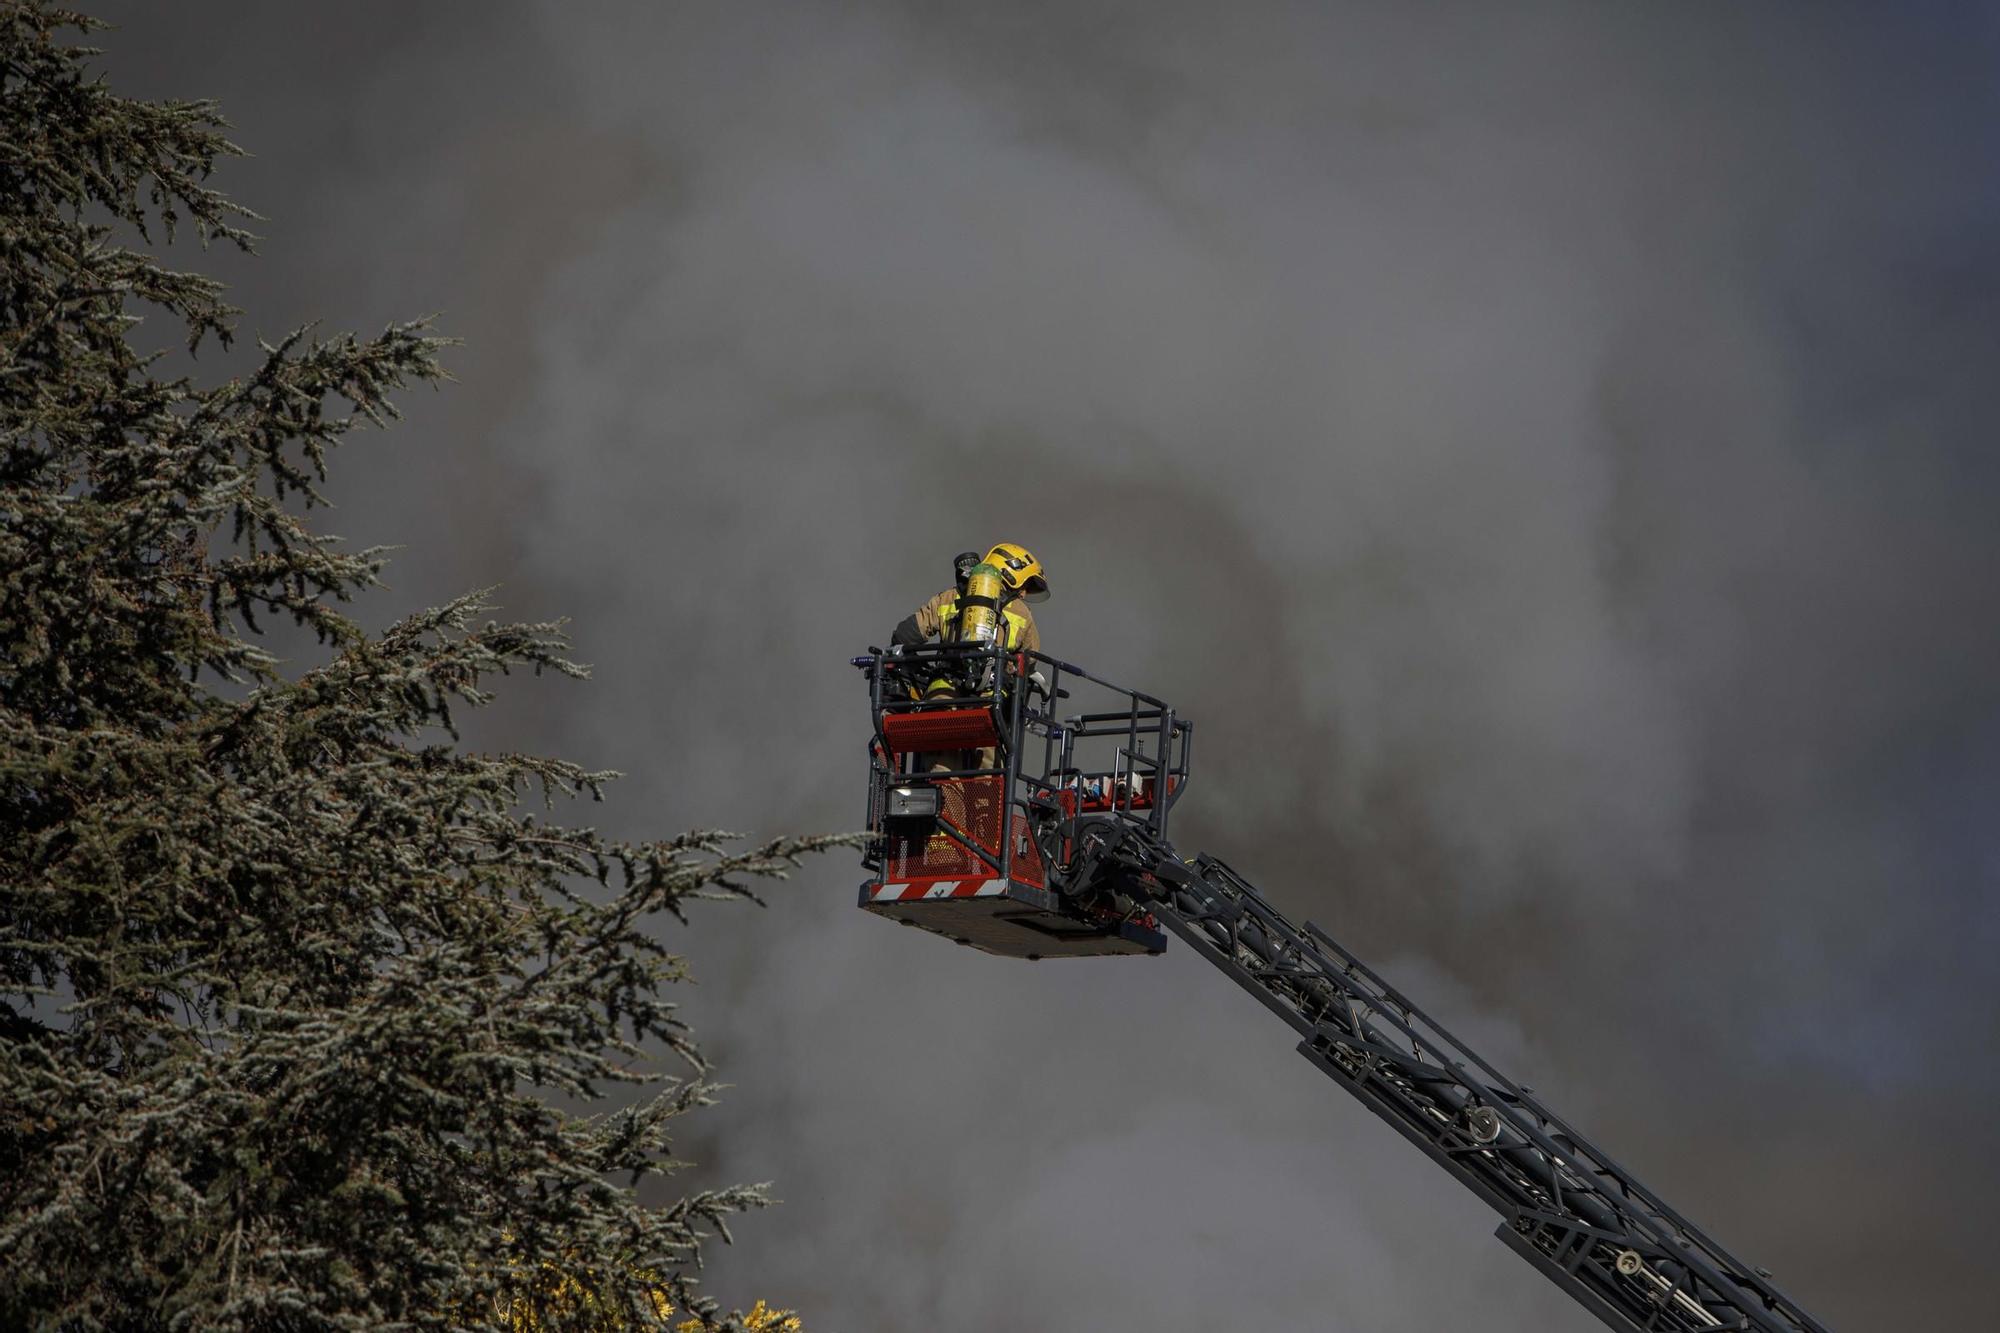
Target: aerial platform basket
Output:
{"points": [[976, 795]]}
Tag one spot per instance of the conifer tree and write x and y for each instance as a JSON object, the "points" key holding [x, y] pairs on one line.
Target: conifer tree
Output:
{"points": [[294, 992]]}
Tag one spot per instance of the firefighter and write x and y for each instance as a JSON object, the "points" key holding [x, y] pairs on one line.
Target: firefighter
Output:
{"points": [[989, 600], [1019, 580]]}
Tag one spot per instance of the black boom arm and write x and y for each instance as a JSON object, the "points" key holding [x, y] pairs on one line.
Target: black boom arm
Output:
{"points": [[1565, 1206]]}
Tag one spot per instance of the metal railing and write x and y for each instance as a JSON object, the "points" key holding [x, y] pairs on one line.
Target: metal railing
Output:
{"points": [[1125, 755]]}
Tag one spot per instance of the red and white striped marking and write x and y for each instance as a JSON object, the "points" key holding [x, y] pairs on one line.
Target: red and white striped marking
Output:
{"points": [[937, 888]]}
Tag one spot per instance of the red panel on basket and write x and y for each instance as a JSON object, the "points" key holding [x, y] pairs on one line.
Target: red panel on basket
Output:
{"points": [[943, 729], [971, 808]]}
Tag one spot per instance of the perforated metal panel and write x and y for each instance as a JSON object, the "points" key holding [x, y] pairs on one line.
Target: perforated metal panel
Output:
{"points": [[969, 807], [946, 729]]}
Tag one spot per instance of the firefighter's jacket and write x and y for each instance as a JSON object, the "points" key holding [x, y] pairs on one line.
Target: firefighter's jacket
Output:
{"points": [[937, 618]]}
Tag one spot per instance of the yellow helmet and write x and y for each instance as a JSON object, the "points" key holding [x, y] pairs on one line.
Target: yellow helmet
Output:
{"points": [[1020, 571]]}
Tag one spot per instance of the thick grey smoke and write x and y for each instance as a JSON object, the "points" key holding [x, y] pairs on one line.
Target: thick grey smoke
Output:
{"points": [[1548, 453]]}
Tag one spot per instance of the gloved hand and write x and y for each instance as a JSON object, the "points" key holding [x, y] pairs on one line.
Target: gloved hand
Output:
{"points": [[1038, 684]]}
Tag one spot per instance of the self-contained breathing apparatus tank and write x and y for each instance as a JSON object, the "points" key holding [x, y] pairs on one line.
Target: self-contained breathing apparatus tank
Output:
{"points": [[978, 619], [978, 622]]}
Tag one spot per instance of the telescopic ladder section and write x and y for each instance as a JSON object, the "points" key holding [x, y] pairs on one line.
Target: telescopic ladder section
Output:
{"points": [[1565, 1206]]}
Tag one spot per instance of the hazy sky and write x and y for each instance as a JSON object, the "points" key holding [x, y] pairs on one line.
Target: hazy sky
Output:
{"points": [[1549, 454]]}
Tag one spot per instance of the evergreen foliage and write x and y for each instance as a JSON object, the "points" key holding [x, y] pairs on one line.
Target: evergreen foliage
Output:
{"points": [[289, 984]]}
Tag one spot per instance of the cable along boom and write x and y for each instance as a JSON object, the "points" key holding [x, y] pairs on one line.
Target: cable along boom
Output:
{"points": [[1566, 1207]]}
